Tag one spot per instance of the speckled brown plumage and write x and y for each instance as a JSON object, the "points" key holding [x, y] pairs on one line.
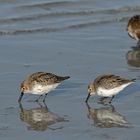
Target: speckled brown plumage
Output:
{"points": [[110, 81], [133, 27], [43, 78]]}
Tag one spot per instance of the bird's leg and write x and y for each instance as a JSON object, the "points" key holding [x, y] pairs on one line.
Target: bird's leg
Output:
{"points": [[44, 97], [37, 100], [39, 104], [111, 99], [45, 106]]}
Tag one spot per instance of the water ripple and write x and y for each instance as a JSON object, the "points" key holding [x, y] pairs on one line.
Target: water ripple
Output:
{"points": [[47, 5], [65, 18], [56, 29], [69, 14]]}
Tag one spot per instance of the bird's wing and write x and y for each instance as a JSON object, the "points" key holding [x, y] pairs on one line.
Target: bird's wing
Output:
{"points": [[111, 81], [47, 78]]}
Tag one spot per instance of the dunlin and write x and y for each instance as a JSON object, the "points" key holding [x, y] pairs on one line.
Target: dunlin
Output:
{"points": [[40, 83], [133, 27], [107, 86]]}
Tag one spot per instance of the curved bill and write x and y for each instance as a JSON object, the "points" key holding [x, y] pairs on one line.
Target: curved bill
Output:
{"points": [[20, 97], [87, 98]]}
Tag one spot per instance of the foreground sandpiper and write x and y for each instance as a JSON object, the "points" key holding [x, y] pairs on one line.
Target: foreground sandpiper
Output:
{"points": [[40, 83], [133, 27], [108, 86]]}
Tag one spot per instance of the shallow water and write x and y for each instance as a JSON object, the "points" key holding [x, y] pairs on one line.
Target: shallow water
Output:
{"points": [[79, 38]]}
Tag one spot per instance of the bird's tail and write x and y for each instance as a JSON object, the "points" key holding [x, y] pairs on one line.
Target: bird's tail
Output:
{"points": [[60, 78]]}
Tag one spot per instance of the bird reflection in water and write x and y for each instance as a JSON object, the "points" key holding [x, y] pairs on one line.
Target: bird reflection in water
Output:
{"points": [[107, 117], [133, 56], [40, 119]]}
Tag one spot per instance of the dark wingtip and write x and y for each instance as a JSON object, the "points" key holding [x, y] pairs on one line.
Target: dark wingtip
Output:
{"points": [[66, 77], [133, 79]]}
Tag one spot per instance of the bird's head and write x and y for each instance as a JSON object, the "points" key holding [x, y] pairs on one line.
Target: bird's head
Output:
{"points": [[24, 88], [91, 90]]}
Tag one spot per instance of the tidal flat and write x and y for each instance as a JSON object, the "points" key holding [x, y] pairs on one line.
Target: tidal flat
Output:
{"points": [[79, 38]]}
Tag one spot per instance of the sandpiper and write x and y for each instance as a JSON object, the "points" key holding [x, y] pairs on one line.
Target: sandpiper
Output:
{"points": [[133, 27], [108, 86], [40, 83]]}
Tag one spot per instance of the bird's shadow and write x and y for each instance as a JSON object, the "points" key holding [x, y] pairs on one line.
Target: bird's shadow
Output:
{"points": [[107, 117], [133, 56], [40, 118]]}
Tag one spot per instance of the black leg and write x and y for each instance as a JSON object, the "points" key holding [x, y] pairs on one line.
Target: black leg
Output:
{"points": [[40, 104], [111, 99], [44, 97], [45, 106], [37, 100]]}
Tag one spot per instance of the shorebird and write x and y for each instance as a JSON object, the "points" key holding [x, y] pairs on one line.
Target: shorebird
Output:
{"points": [[108, 86], [133, 27], [40, 83]]}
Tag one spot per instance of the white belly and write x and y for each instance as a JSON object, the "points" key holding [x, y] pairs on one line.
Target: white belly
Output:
{"points": [[111, 92], [41, 89]]}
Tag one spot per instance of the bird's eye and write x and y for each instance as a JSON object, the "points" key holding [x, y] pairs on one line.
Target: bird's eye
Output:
{"points": [[89, 89], [23, 88]]}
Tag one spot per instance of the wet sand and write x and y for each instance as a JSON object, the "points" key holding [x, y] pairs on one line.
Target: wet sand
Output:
{"points": [[82, 39]]}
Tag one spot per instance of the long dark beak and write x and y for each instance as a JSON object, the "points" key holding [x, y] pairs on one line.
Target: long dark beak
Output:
{"points": [[87, 98], [19, 100]]}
